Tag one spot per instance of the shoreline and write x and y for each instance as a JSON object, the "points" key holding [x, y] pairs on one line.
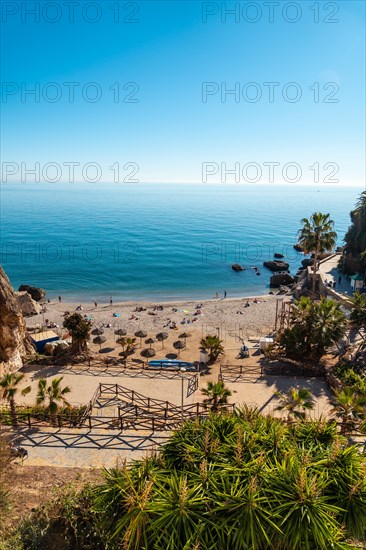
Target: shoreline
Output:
{"points": [[167, 303], [258, 316]]}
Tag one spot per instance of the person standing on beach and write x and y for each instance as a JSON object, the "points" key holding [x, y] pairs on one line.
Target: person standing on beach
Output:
{"points": [[225, 294], [59, 299], [110, 301], [95, 304], [217, 294]]}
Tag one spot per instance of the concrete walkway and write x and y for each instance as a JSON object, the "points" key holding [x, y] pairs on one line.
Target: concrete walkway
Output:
{"points": [[83, 448], [328, 271]]}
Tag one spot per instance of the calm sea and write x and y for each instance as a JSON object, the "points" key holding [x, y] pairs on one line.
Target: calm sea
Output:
{"points": [[156, 242]]}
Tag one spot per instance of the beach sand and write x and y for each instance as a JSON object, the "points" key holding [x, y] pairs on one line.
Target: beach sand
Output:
{"points": [[220, 316]]}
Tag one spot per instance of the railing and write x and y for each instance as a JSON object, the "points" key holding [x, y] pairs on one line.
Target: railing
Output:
{"points": [[237, 373]]}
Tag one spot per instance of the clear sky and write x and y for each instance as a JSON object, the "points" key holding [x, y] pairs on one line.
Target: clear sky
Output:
{"points": [[167, 120]]}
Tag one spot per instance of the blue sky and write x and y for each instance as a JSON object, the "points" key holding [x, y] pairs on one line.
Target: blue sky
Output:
{"points": [[169, 52]]}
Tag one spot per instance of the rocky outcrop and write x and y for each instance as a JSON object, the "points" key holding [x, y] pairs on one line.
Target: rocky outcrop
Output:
{"points": [[237, 267], [307, 262], [27, 305], [36, 293], [14, 342], [278, 255], [283, 279], [298, 248], [277, 265]]}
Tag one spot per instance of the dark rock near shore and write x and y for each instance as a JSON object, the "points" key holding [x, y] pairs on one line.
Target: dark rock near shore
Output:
{"points": [[278, 255], [283, 279], [36, 293], [277, 265], [298, 248], [307, 262], [237, 267]]}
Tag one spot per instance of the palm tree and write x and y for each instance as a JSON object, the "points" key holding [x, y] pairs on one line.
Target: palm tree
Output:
{"points": [[358, 313], [213, 345], [217, 395], [314, 326], [349, 408], [79, 328], [10, 387], [317, 236], [52, 393], [296, 402], [129, 346]]}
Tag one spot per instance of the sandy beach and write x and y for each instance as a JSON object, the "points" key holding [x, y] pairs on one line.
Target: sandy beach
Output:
{"points": [[232, 319], [250, 317]]}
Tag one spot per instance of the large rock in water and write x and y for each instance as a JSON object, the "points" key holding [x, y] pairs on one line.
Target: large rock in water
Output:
{"points": [[27, 305], [36, 293], [283, 279], [277, 265], [237, 267], [14, 342]]}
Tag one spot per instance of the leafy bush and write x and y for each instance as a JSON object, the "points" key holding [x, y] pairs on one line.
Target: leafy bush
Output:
{"points": [[351, 377]]}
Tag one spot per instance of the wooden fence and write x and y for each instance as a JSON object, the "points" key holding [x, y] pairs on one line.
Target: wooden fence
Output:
{"points": [[247, 373]]}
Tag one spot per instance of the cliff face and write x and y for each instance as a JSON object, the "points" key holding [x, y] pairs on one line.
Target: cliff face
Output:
{"points": [[14, 342]]}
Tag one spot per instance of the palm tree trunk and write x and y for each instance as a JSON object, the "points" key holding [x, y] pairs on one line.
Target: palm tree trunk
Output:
{"points": [[13, 410], [314, 274]]}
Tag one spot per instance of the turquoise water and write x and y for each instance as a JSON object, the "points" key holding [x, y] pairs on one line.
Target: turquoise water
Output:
{"points": [[156, 242]]}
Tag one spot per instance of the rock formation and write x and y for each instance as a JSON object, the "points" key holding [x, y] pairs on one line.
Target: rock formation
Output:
{"points": [[36, 293], [283, 279], [277, 265], [278, 255], [237, 267], [14, 342], [27, 305]]}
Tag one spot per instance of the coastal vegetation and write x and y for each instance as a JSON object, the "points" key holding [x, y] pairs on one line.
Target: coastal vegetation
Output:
{"points": [[230, 482], [217, 394], [316, 237], [213, 345], [10, 388], [354, 257], [313, 327], [296, 402], [79, 329], [53, 394]]}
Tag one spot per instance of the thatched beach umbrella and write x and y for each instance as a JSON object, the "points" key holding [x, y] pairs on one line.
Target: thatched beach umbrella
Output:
{"points": [[148, 352], [185, 335], [150, 341], [179, 345], [99, 340], [141, 334], [97, 331], [161, 336], [120, 332]]}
